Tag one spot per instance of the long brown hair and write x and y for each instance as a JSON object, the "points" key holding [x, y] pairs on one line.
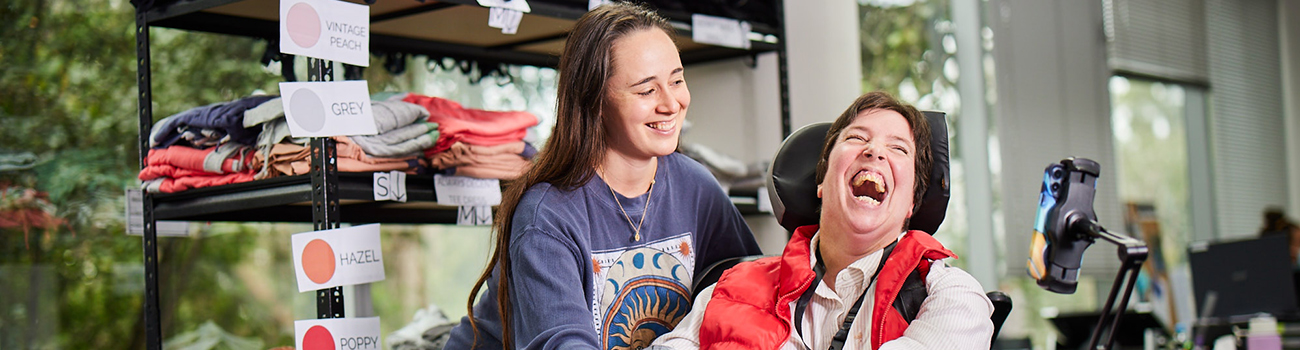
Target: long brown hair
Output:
{"points": [[578, 143]]}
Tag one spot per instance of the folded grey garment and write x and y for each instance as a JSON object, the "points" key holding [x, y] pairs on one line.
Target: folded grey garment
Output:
{"points": [[390, 115], [277, 131], [388, 96], [749, 183], [204, 138], [152, 186], [156, 132], [417, 334], [214, 161], [722, 166], [398, 135], [438, 336], [265, 112], [401, 149]]}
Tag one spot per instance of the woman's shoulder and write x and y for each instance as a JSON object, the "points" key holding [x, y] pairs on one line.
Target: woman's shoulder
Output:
{"points": [[683, 166], [545, 194], [545, 200]]}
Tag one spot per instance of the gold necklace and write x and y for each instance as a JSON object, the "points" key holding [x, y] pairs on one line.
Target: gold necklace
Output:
{"points": [[636, 229]]}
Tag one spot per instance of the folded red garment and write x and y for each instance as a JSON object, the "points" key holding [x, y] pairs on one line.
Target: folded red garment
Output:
{"points": [[472, 126], [172, 185], [221, 159]]}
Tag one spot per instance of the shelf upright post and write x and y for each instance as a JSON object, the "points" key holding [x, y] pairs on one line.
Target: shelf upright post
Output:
{"points": [[152, 315], [782, 70], [324, 191]]}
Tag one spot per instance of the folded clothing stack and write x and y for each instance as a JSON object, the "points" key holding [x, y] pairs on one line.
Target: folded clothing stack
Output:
{"points": [[404, 133], [201, 147], [477, 143]]}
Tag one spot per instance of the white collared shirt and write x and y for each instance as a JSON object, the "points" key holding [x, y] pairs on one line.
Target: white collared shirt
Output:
{"points": [[955, 315]]}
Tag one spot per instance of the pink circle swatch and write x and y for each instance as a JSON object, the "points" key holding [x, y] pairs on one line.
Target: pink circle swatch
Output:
{"points": [[303, 24]]}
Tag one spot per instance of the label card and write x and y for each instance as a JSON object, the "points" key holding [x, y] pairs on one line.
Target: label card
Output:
{"points": [[466, 191], [511, 24], [135, 218], [504, 18], [517, 5], [323, 109], [338, 257], [474, 215], [764, 202], [593, 4], [390, 186], [720, 31], [326, 29], [337, 334], [496, 17]]}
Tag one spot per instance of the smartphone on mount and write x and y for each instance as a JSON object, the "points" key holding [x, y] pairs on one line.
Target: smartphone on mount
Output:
{"points": [[1056, 251]]}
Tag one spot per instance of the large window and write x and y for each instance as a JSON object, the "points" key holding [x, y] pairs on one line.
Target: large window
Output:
{"points": [[1149, 120], [909, 50]]}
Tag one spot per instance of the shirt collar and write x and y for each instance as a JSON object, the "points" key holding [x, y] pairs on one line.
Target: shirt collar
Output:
{"points": [[861, 269]]}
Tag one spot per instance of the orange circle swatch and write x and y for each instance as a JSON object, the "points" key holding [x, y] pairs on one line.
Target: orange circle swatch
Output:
{"points": [[318, 261]]}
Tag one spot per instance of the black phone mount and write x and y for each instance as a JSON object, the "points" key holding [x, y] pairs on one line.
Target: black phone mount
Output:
{"points": [[1068, 224]]}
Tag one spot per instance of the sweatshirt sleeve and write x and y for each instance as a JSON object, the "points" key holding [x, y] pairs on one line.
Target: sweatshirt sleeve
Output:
{"points": [[549, 306]]}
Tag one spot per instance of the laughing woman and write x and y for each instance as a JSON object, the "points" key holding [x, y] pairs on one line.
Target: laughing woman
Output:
{"points": [[598, 243]]}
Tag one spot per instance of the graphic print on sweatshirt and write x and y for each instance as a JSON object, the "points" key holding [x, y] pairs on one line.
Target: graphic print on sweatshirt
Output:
{"points": [[642, 291]]}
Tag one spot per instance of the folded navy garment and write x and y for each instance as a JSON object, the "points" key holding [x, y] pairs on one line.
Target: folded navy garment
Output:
{"points": [[201, 126]]}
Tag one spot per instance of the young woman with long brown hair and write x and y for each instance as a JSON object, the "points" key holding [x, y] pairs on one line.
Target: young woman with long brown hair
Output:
{"points": [[598, 242]]}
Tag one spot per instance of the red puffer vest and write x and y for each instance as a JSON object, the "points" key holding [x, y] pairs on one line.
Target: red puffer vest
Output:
{"points": [[750, 307]]}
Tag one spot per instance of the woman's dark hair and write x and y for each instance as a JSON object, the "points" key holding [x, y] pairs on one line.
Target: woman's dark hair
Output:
{"points": [[916, 120], [578, 143]]}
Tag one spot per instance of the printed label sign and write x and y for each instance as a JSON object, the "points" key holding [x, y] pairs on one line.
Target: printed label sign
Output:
{"points": [[135, 218], [593, 4], [764, 202], [467, 191], [517, 5], [326, 29], [390, 186], [338, 257], [337, 334], [474, 216], [504, 18], [720, 31], [324, 109]]}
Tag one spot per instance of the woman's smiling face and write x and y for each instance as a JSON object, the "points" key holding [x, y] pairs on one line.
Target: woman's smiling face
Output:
{"points": [[646, 96]]}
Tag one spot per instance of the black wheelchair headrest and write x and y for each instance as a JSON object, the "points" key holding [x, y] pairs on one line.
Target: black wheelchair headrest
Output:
{"points": [[792, 179]]}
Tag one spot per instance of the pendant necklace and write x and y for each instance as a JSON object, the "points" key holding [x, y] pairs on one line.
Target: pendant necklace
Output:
{"points": [[636, 228]]}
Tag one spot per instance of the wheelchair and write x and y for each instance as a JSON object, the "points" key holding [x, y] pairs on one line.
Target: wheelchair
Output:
{"points": [[793, 188]]}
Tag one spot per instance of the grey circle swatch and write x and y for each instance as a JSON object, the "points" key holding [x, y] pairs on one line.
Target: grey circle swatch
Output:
{"points": [[308, 110]]}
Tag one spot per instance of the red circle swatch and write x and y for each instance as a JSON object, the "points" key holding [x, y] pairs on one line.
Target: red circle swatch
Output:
{"points": [[317, 338]]}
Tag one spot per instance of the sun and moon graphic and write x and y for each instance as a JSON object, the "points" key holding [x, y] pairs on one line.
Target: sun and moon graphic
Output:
{"points": [[644, 292]]}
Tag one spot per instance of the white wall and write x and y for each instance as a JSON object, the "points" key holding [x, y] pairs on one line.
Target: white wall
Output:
{"points": [[736, 109], [825, 59]]}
